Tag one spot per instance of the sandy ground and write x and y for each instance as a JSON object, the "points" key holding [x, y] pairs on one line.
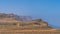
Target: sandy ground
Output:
{"points": [[5, 31]]}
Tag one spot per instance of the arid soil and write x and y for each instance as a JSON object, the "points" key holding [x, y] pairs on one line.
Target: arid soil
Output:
{"points": [[3, 31]]}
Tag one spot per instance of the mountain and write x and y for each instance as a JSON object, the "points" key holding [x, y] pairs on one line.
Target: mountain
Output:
{"points": [[13, 16], [22, 22]]}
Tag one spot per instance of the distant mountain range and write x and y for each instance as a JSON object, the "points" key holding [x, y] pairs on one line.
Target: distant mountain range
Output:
{"points": [[16, 17], [6, 19]]}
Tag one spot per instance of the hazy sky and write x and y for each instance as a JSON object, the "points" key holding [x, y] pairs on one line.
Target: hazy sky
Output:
{"points": [[48, 10]]}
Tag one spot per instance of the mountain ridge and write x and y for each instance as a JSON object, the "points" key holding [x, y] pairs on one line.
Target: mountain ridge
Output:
{"points": [[25, 22]]}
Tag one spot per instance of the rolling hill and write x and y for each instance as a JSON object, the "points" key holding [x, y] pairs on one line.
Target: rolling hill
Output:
{"points": [[12, 21]]}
